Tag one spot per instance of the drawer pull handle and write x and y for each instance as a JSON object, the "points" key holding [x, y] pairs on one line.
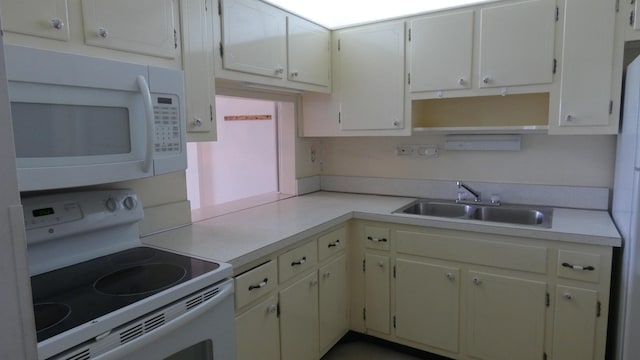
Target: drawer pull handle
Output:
{"points": [[334, 244], [260, 285], [374, 239], [578, 267], [299, 262]]}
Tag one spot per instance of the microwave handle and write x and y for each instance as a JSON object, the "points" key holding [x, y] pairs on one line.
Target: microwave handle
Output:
{"points": [[148, 110]]}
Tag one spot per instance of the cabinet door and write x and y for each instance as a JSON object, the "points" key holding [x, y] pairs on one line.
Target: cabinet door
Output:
{"points": [[309, 52], [574, 323], [257, 334], [517, 43], [587, 65], [254, 38], [197, 61], [427, 304], [441, 52], [47, 19], [370, 77], [505, 317], [299, 320], [377, 281], [142, 26], [334, 302]]}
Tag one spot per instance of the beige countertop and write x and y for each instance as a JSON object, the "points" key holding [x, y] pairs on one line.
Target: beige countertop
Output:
{"points": [[248, 235]]}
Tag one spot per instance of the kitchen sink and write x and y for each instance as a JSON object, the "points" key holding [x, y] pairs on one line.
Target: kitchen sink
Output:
{"points": [[511, 214]]}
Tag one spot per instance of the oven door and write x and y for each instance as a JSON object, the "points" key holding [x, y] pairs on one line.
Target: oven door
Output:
{"points": [[205, 333]]}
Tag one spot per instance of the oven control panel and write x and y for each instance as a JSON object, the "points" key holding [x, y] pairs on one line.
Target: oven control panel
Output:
{"points": [[53, 216]]}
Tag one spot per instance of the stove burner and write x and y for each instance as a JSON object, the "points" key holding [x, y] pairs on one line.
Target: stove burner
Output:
{"points": [[140, 279], [49, 314], [133, 256]]}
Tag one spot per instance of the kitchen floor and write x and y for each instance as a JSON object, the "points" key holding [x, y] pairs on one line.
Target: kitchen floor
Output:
{"points": [[359, 347]]}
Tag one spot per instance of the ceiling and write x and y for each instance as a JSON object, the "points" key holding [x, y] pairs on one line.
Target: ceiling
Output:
{"points": [[335, 14]]}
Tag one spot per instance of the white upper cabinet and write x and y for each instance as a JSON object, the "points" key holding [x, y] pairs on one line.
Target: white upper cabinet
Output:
{"points": [[309, 52], [517, 43], [441, 51], [588, 87], [254, 38], [370, 77], [47, 19], [141, 26]]}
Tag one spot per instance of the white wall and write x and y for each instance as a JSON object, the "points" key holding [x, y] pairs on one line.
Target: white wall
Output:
{"points": [[543, 159]]}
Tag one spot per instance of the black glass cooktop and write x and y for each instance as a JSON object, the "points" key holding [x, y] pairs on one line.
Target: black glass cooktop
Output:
{"points": [[71, 296]]}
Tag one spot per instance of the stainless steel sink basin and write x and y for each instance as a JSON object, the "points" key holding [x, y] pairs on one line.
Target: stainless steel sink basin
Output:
{"points": [[511, 214]]}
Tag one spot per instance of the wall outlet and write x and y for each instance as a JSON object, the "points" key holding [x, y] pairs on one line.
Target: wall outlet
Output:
{"points": [[421, 151]]}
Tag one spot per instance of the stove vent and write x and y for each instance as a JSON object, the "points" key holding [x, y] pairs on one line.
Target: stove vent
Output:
{"points": [[202, 297], [82, 355], [131, 333], [154, 322]]}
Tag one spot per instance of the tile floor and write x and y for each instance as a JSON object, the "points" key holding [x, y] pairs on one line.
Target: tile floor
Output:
{"points": [[363, 348]]}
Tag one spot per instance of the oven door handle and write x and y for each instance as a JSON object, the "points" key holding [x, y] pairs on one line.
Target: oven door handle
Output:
{"points": [[149, 121], [123, 350]]}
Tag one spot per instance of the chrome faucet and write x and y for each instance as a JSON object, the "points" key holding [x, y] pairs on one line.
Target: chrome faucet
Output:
{"points": [[476, 194]]}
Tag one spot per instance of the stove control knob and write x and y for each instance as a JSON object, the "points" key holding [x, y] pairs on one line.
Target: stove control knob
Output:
{"points": [[130, 203], [111, 205]]}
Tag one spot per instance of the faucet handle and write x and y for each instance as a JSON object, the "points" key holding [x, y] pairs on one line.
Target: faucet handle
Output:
{"points": [[495, 199], [461, 195]]}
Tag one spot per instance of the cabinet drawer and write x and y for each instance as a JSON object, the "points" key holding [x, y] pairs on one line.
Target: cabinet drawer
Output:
{"points": [[255, 283], [579, 265], [376, 238], [331, 243], [469, 250], [297, 261]]}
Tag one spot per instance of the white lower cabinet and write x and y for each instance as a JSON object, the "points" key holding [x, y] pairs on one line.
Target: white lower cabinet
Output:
{"points": [[257, 332], [574, 325], [299, 319], [428, 303], [505, 317], [334, 302], [377, 292]]}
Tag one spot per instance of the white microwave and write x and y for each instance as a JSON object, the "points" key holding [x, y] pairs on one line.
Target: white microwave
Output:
{"points": [[80, 120]]}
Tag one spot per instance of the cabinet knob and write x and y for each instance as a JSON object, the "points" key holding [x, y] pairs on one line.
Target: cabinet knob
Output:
{"points": [[450, 276], [486, 79], [461, 82], [57, 24], [476, 281], [272, 308], [103, 33], [279, 70], [294, 74], [567, 296], [381, 263], [396, 123], [569, 118], [326, 275], [313, 283], [197, 122]]}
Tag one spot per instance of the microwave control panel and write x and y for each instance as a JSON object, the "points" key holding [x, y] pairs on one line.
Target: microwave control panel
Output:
{"points": [[166, 109]]}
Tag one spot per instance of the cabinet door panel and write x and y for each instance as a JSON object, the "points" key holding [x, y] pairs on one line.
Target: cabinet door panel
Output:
{"points": [[257, 334], [427, 304], [441, 52], [587, 63], [299, 320], [371, 77], [574, 324], [334, 302], [142, 26], [377, 281], [47, 19], [517, 43], [254, 38], [506, 317], [309, 52]]}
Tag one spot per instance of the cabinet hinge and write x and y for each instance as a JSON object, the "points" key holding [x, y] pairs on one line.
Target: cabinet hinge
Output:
{"points": [[278, 310], [610, 107], [394, 271], [409, 78], [364, 263], [547, 300], [364, 313], [219, 7], [175, 39], [221, 50], [631, 18], [557, 13], [394, 321], [211, 112], [598, 309], [339, 45], [206, 8], [618, 5], [409, 34], [339, 117], [555, 65], [544, 356]]}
